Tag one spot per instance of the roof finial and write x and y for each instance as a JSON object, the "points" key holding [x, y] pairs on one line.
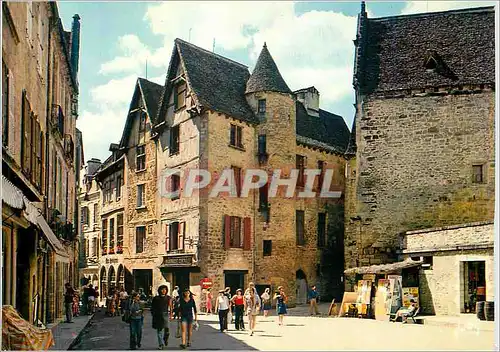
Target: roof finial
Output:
{"points": [[265, 45], [363, 6]]}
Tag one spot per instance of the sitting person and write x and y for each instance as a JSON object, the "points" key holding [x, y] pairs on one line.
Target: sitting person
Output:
{"points": [[404, 312]]}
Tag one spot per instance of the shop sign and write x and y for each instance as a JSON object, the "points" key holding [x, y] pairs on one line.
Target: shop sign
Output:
{"points": [[178, 260], [111, 260]]}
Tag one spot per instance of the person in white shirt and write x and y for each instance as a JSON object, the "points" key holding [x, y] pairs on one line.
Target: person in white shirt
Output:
{"points": [[222, 306], [123, 300]]}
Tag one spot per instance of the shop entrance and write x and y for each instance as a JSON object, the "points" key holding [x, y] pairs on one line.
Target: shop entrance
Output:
{"points": [[143, 278], [181, 279], [234, 280], [474, 285]]}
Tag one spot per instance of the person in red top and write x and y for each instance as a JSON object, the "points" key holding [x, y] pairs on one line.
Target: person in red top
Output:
{"points": [[239, 307]]}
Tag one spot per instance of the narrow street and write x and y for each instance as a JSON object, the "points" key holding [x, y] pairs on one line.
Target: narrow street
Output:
{"points": [[299, 333]]}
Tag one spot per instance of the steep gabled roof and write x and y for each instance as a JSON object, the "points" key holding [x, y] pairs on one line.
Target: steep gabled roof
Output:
{"points": [[326, 131], [218, 83], [266, 76], [396, 49], [150, 93]]}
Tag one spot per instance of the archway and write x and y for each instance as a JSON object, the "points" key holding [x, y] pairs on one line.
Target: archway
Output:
{"points": [[111, 278], [120, 274], [104, 286], [301, 287]]}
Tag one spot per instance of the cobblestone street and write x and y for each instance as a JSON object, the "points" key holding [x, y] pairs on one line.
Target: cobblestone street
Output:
{"points": [[299, 333]]}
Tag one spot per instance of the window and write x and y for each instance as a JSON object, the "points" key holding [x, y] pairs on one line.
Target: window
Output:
{"points": [[104, 240], [321, 229], [263, 197], [180, 95], [235, 236], [299, 226], [118, 187], [119, 233], [26, 149], [237, 179], [141, 196], [237, 232], [94, 247], [142, 121], [141, 157], [174, 140], [173, 230], [87, 248], [321, 167], [176, 185], [477, 174], [262, 144], [235, 136], [267, 247], [262, 106], [85, 216], [95, 213], [140, 237], [111, 235], [300, 165], [5, 105]]}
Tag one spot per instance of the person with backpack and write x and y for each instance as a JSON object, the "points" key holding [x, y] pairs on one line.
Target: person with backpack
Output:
{"points": [[162, 311]]}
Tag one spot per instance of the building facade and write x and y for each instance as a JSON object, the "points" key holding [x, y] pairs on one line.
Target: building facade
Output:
{"points": [[421, 153], [38, 199]]}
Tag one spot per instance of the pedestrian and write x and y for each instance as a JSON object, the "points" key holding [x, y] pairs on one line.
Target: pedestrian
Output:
{"points": [[266, 301], [230, 315], [281, 300], [123, 299], [161, 310], [222, 307], [116, 300], [252, 308], [187, 308], [76, 305], [68, 302], [313, 304], [136, 316], [209, 301], [91, 299], [239, 309]]}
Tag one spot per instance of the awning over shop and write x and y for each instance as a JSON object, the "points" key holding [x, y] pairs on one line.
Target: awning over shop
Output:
{"points": [[15, 198], [384, 268]]}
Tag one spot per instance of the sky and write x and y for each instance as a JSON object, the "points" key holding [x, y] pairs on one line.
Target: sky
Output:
{"points": [[311, 42]]}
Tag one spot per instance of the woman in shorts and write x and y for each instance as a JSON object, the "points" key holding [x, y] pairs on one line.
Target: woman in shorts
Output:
{"points": [[188, 316]]}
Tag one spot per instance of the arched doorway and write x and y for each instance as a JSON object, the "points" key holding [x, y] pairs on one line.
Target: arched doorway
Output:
{"points": [[301, 287], [111, 278], [104, 286], [120, 274]]}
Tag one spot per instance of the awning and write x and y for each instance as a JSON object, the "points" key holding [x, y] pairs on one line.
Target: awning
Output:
{"points": [[384, 268], [51, 237], [11, 195]]}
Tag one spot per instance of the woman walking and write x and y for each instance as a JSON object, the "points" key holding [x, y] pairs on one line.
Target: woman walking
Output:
{"points": [[252, 307], [209, 301], [266, 301], [222, 307], [136, 315], [239, 309], [281, 300], [187, 307], [161, 310]]}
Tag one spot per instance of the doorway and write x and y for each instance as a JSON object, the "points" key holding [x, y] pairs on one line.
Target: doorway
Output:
{"points": [[474, 285], [234, 280], [180, 278], [301, 287], [143, 279]]}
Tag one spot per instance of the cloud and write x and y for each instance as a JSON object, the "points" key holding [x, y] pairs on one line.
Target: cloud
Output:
{"points": [[434, 6]]}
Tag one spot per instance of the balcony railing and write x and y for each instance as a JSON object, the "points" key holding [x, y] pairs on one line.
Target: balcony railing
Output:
{"points": [[57, 119]]}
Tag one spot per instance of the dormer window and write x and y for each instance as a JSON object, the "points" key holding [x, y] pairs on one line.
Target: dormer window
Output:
{"points": [[431, 64]]}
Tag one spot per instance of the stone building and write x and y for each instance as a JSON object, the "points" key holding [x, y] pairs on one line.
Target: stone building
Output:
{"points": [[39, 110], [458, 266], [215, 115], [421, 153], [90, 202]]}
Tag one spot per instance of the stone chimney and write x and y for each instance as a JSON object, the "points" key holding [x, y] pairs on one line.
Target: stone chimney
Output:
{"points": [[92, 166], [75, 44], [309, 97]]}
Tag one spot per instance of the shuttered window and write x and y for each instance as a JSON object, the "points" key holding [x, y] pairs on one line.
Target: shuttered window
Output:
{"points": [[237, 232], [237, 179], [119, 233], [140, 237], [111, 235], [175, 234], [104, 239]]}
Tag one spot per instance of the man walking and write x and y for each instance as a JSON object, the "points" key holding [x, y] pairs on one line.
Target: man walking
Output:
{"points": [[123, 300], [161, 310], [313, 300], [68, 302]]}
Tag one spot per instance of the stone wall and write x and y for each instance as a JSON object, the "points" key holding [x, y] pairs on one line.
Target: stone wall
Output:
{"points": [[413, 169]]}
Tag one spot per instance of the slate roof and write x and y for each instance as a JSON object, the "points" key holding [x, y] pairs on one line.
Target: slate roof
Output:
{"points": [[396, 49], [351, 146], [219, 83], [151, 92], [266, 76], [328, 131]]}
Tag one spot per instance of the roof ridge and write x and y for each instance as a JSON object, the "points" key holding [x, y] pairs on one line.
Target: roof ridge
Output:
{"points": [[436, 13], [178, 40], [147, 80]]}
